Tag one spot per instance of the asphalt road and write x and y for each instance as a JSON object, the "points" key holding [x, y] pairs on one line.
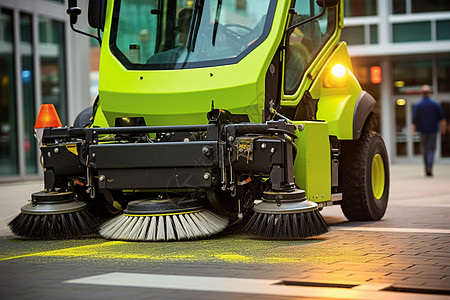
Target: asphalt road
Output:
{"points": [[404, 256]]}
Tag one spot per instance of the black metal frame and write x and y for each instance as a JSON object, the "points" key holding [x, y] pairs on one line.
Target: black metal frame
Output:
{"points": [[222, 154]]}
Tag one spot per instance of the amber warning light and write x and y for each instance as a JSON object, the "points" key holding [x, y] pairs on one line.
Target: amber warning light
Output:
{"points": [[339, 70], [375, 75], [47, 117]]}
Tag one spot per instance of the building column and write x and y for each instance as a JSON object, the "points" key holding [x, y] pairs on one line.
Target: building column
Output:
{"points": [[387, 111], [19, 96]]}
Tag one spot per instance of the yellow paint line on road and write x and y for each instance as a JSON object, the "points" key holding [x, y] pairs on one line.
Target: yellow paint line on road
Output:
{"points": [[86, 250], [229, 250]]}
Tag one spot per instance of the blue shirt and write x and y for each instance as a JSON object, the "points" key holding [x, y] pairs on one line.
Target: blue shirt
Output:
{"points": [[426, 115]]}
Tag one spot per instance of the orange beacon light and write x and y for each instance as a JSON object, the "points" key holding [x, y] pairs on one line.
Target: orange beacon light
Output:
{"points": [[47, 117]]}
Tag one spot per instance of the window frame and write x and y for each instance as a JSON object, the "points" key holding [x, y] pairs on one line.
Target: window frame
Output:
{"points": [[334, 15], [188, 65]]}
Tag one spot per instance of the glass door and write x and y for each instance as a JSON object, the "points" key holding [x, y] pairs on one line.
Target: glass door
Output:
{"points": [[445, 139], [407, 144], [8, 120], [401, 128]]}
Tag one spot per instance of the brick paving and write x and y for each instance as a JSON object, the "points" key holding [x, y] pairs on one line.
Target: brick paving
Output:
{"points": [[401, 261], [384, 260]]}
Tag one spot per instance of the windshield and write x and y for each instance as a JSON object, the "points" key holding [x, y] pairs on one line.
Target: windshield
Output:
{"points": [[176, 34]]}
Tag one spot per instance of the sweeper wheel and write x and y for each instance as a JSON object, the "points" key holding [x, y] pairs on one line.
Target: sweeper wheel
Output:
{"points": [[84, 118], [364, 178]]}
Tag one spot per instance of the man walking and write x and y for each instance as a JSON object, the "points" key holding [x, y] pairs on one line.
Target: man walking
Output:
{"points": [[427, 116]]}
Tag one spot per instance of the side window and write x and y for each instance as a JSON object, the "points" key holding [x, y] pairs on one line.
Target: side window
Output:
{"points": [[306, 41]]}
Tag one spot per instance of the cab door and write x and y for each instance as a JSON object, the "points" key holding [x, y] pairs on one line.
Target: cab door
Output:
{"points": [[304, 45]]}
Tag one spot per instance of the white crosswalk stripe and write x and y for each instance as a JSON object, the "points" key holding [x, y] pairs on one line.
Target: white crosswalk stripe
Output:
{"points": [[244, 286], [390, 229]]}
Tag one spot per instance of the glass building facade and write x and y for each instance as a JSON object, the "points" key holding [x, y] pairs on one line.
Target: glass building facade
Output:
{"points": [[410, 41], [37, 66]]}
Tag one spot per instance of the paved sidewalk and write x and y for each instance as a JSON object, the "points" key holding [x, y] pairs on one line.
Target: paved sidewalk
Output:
{"points": [[410, 193], [409, 185], [12, 197]]}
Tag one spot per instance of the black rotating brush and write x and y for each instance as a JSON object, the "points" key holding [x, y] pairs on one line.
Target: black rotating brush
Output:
{"points": [[54, 215], [284, 215]]}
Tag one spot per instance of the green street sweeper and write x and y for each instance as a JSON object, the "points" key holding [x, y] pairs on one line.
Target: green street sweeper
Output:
{"points": [[210, 114]]}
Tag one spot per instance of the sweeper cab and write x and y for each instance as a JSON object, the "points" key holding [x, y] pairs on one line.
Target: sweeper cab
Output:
{"points": [[212, 114]]}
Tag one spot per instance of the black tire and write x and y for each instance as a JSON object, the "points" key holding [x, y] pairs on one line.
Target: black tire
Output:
{"points": [[84, 118], [365, 191]]}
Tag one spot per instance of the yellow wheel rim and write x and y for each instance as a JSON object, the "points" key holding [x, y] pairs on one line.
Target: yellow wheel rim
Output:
{"points": [[378, 174]]}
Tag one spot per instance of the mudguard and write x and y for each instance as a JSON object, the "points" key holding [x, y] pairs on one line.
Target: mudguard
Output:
{"points": [[364, 106]]}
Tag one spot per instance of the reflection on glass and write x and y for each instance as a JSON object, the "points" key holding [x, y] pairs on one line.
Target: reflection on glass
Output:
{"points": [[360, 8], [411, 32], [442, 32], [412, 75], [186, 36], [443, 70], [445, 139], [417, 147], [374, 34], [419, 6], [8, 125], [29, 142], [354, 35], [400, 130], [306, 41], [416, 144], [52, 58], [399, 6]]}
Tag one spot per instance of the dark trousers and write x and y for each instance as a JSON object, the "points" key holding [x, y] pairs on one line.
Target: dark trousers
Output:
{"points": [[428, 141]]}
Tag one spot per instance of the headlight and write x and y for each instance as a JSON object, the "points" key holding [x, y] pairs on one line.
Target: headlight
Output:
{"points": [[336, 77]]}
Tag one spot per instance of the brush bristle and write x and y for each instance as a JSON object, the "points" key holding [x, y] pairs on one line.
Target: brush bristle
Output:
{"points": [[298, 225], [54, 226], [175, 227]]}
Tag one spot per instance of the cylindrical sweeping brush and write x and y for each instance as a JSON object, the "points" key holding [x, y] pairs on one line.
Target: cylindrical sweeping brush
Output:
{"points": [[298, 225], [54, 215], [163, 220], [286, 215]]}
